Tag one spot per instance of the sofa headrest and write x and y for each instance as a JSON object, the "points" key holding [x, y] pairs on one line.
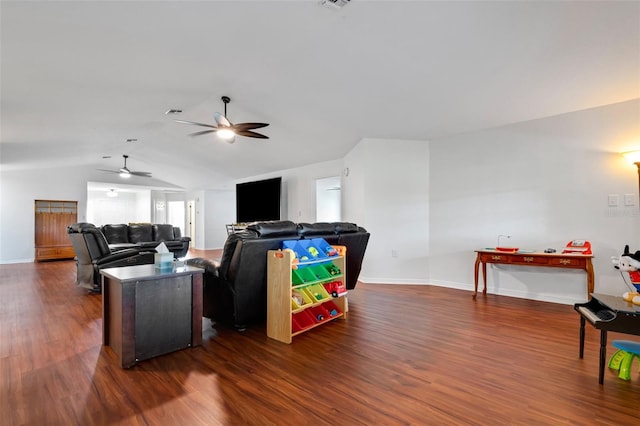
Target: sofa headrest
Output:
{"points": [[140, 233], [318, 228], [163, 233], [345, 227], [116, 234], [80, 227], [278, 228]]}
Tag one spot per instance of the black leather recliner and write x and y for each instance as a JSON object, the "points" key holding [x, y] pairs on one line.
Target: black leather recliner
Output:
{"points": [[235, 287], [93, 254]]}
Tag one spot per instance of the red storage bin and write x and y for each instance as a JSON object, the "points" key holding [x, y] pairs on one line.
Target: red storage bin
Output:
{"points": [[304, 319], [295, 326], [331, 308], [319, 313]]}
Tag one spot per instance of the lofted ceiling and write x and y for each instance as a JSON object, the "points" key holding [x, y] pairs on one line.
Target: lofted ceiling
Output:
{"points": [[79, 78]]}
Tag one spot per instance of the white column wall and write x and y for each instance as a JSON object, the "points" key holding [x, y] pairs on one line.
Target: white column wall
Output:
{"points": [[389, 183]]}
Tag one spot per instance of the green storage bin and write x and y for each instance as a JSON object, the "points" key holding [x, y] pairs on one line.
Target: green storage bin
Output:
{"points": [[321, 272], [303, 275]]}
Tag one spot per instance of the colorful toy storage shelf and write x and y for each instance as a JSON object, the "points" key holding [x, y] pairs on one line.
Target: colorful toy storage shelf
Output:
{"points": [[305, 287]]}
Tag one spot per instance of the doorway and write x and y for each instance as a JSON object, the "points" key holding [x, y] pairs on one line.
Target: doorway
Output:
{"points": [[328, 199], [191, 220], [175, 215]]}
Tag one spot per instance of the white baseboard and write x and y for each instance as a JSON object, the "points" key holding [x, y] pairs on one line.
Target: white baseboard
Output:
{"points": [[469, 287], [8, 262], [369, 280]]}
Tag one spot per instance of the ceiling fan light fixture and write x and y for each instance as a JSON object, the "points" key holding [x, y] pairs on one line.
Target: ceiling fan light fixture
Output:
{"points": [[226, 134], [125, 174]]}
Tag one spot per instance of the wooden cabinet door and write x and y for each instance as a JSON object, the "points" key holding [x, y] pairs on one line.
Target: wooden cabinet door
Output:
{"points": [[52, 217]]}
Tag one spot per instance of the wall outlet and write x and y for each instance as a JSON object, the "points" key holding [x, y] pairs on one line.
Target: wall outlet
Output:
{"points": [[394, 253]]}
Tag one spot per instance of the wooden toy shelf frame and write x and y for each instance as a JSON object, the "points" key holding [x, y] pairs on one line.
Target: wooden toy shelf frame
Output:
{"points": [[279, 287]]}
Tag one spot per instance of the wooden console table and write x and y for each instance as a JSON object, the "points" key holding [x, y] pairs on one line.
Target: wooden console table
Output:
{"points": [[551, 260], [148, 312]]}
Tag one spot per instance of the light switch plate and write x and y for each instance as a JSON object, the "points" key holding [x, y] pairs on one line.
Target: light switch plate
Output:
{"points": [[629, 200], [613, 200]]}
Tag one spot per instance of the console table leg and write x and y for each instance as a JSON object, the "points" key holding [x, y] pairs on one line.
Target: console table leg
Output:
{"points": [[590, 278], [475, 276], [484, 279]]}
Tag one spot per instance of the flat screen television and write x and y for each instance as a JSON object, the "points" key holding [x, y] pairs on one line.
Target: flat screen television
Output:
{"points": [[258, 201]]}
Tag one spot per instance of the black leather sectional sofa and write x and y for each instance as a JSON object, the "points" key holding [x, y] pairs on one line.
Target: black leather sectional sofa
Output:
{"points": [[235, 286], [146, 236], [113, 246]]}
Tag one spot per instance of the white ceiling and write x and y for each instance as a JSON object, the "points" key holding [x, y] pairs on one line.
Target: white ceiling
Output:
{"points": [[78, 78]]}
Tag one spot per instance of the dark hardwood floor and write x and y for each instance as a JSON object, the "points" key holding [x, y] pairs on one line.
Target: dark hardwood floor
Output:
{"points": [[416, 355]]}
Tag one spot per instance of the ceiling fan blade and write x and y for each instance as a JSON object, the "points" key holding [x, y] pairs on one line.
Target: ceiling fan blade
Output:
{"points": [[196, 124], [221, 120], [108, 171], [143, 174], [204, 132], [250, 134], [248, 126]]}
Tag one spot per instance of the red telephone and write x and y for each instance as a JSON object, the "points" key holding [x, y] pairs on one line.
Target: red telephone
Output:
{"points": [[578, 247]]}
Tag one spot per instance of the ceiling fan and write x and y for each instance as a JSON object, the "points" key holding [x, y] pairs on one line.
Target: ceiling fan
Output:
{"points": [[124, 172], [225, 129]]}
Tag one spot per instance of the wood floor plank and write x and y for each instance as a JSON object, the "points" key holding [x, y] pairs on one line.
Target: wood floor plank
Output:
{"points": [[406, 355]]}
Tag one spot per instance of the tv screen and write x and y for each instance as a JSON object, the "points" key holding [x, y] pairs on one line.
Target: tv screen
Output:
{"points": [[258, 201]]}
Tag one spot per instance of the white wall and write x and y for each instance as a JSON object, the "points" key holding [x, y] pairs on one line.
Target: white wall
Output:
{"points": [[219, 210], [18, 191], [544, 182], [387, 192]]}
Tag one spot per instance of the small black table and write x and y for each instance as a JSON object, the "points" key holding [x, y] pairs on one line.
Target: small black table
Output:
{"points": [[148, 312]]}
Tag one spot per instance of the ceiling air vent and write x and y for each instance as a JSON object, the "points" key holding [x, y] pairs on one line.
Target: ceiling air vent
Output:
{"points": [[334, 4]]}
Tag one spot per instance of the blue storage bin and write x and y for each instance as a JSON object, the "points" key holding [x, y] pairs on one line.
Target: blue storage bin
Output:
{"points": [[324, 247], [314, 252], [301, 252]]}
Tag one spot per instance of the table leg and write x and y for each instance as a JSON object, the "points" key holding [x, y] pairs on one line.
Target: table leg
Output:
{"points": [[196, 309], [603, 355], [475, 276], [105, 310], [590, 278], [582, 322], [484, 279]]}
